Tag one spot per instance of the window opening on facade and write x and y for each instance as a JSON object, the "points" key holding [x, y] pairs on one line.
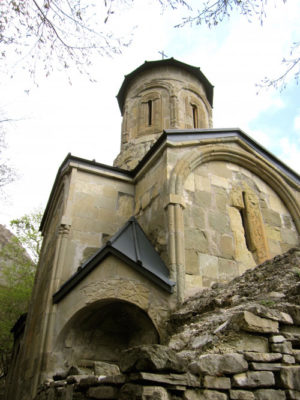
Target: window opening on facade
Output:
{"points": [[195, 116], [245, 223], [149, 103]]}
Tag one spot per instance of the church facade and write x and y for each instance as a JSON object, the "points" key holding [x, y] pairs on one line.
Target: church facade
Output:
{"points": [[183, 207]]}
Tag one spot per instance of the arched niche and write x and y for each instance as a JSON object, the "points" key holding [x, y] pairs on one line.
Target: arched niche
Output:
{"points": [[100, 332], [150, 113], [194, 110], [272, 177]]}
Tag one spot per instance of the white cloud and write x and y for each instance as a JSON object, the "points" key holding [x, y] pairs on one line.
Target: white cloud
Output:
{"points": [[297, 123], [290, 153]]}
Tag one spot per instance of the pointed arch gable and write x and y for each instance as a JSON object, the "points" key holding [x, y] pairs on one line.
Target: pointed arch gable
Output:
{"points": [[254, 163]]}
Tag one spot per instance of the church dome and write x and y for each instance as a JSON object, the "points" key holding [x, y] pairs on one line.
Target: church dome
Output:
{"points": [[159, 95]]}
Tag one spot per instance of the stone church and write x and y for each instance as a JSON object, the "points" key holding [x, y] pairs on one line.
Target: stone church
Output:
{"points": [[183, 207]]}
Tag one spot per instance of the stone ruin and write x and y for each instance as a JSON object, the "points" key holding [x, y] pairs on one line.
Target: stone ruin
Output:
{"points": [[238, 341]]}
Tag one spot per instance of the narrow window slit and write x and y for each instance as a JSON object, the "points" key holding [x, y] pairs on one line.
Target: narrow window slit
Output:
{"points": [[195, 116], [245, 223], [149, 112]]}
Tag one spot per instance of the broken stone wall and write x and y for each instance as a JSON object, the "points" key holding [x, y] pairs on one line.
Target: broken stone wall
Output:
{"points": [[236, 341], [260, 372]]}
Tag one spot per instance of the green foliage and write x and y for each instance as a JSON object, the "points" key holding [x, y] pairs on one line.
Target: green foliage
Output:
{"points": [[267, 303], [297, 272], [19, 259], [27, 233]]}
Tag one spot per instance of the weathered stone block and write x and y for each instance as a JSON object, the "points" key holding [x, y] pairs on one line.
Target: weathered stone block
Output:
{"points": [[75, 370], [75, 378], [252, 323], [172, 379], [145, 200], [204, 395], [196, 239], [290, 377], [150, 358], [104, 368], [269, 313], [201, 341], [265, 366], [241, 395], [277, 339], [245, 342], [220, 181], [262, 357], [285, 348], [192, 395], [288, 359], [273, 233], [228, 269], [294, 312], [293, 394], [296, 354], [197, 217], [290, 237], [103, 392], [202, 183], [215, 382], [221, 199], [189, 183], [226, 246], [252, 379], [88, 381], [203, 199], [155, 393], [132, 391], [219, 222], [208, 265], [220, 168], [125, 204], [269, 394], [271, 217], [191, 262], [217, 364], [112, 379], [292, 332]]}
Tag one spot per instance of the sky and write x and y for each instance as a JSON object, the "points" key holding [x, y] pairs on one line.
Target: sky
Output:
{"points": [[83, 118]]}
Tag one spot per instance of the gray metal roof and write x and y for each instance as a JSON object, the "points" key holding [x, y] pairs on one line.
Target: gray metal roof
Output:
{"points": [[131, 245]]}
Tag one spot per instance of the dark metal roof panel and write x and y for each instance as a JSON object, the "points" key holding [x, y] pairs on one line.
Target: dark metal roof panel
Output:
{"points": [[131, 245], [134, 243]]}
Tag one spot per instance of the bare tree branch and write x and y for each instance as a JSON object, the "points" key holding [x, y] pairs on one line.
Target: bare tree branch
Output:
{"points": [[213, 12]]}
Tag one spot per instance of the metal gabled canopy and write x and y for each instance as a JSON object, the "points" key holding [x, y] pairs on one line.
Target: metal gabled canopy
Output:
{"points": [[131, 245]]}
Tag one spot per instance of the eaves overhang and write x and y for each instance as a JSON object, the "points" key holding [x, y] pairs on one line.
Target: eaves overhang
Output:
{"points": [[209, 89], [186, 136], [177, 137], [131, 245], [70, 161]]}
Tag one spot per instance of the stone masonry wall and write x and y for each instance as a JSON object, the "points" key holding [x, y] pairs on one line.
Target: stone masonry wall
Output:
{"points": [[233, 221], [233, 341]]}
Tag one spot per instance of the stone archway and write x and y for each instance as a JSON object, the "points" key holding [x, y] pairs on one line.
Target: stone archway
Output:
{"points": [[100, 331]]}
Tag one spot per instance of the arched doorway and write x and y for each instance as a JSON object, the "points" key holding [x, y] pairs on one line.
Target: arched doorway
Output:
{"points": [[100, 332]]}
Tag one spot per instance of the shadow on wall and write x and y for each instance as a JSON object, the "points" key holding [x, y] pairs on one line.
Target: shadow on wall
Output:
{"points": [[100, 331]]}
